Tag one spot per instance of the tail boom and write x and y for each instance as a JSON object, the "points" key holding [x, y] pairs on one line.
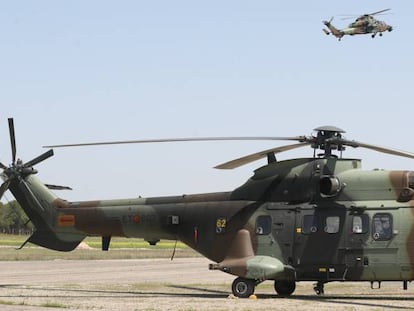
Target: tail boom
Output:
{"points": [[38, 203], [333, 30]]}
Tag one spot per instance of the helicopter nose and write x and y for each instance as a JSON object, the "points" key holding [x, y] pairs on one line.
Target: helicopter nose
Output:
{"points": [[389, 28]]}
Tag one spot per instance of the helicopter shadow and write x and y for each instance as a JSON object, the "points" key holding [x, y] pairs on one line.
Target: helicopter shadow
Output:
{"points": [[353, 301], [59, 292]]}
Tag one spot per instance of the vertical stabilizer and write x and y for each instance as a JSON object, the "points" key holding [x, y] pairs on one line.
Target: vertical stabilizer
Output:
{"points": [[332, 29], [36, 200]]}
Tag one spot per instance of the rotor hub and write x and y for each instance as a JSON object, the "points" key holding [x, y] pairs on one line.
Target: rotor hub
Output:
{"points": [[328, 138], [18, 169]]}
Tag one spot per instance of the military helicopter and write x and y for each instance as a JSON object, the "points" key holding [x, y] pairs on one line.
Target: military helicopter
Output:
{"points": [[364, 24], [319, 218]]}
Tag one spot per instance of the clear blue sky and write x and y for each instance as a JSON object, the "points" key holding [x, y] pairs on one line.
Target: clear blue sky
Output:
{"points": [[80, 71]]}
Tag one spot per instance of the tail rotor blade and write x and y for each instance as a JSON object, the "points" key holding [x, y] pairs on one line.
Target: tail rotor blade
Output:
{"points": [[4, 187], [40, 158], [12, 139]]}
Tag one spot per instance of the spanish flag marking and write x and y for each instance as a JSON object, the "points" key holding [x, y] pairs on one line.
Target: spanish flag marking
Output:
{"points": [[66, 220]]}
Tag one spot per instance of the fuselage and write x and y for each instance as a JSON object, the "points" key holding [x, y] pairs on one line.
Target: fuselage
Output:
{"points": [[327, 219], [363, 25]]}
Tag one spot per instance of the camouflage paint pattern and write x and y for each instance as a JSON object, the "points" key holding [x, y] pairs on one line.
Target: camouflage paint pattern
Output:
{"points": [[321, 219], [365, 24]]}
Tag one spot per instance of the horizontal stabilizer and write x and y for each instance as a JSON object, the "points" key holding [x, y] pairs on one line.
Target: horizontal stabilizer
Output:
{"points": [[58, 187]]}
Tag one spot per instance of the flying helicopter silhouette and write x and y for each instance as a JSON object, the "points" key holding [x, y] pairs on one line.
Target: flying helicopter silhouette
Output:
{"points": [[364, 24], [320, 218]]}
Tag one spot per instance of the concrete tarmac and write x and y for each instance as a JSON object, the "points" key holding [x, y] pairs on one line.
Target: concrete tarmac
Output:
{"points": [[162, 284]]}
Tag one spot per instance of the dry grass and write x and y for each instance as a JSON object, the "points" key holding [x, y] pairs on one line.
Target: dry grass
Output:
{"points": [[120, 248]]}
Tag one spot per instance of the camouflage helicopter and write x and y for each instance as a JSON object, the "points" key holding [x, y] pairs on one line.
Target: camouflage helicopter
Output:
{"points": [[364, 24], [320, 218]]}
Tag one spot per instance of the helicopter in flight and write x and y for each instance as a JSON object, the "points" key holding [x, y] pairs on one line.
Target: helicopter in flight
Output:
{"points": [[364, 24], [320, 218]]}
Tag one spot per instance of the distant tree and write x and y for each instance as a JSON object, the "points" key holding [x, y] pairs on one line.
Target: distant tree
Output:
{"points": [[13, 219]]}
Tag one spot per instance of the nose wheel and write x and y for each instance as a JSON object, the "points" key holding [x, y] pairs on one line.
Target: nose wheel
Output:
{"points": [[243, 288]]}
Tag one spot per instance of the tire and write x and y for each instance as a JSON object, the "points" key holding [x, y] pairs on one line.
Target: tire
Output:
{"points": [[285, 288], [243, 288]]}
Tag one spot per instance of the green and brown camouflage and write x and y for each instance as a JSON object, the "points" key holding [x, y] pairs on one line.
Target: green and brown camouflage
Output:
{"points": [[316, 219], [364, 24]]}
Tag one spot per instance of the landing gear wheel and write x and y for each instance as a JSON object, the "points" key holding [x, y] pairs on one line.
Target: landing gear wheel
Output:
{"points": [[243, 288], [319, 288], [285, 288]]}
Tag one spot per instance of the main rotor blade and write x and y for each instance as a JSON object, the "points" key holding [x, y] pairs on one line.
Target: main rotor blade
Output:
{"points": [[257, 156], [379, 149], [12, 139], [379, 12], [167, 140], [40, 158]]}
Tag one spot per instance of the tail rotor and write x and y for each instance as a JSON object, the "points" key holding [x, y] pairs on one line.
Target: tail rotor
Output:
{"points": [[18, 170]]}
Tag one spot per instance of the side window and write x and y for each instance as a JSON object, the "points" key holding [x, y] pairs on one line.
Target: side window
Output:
{"points": [[332, 224], [360, 224], [382, 227], [309, 224], [263, 225]]}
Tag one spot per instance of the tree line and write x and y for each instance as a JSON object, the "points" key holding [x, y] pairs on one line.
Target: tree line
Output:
{"points": [[13, 220]]}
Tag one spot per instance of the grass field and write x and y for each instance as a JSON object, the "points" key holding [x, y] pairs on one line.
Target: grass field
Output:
{"points": [[120, 248]]}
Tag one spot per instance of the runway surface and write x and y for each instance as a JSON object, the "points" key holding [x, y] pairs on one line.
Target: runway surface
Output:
{"points": [[162, 284]]}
